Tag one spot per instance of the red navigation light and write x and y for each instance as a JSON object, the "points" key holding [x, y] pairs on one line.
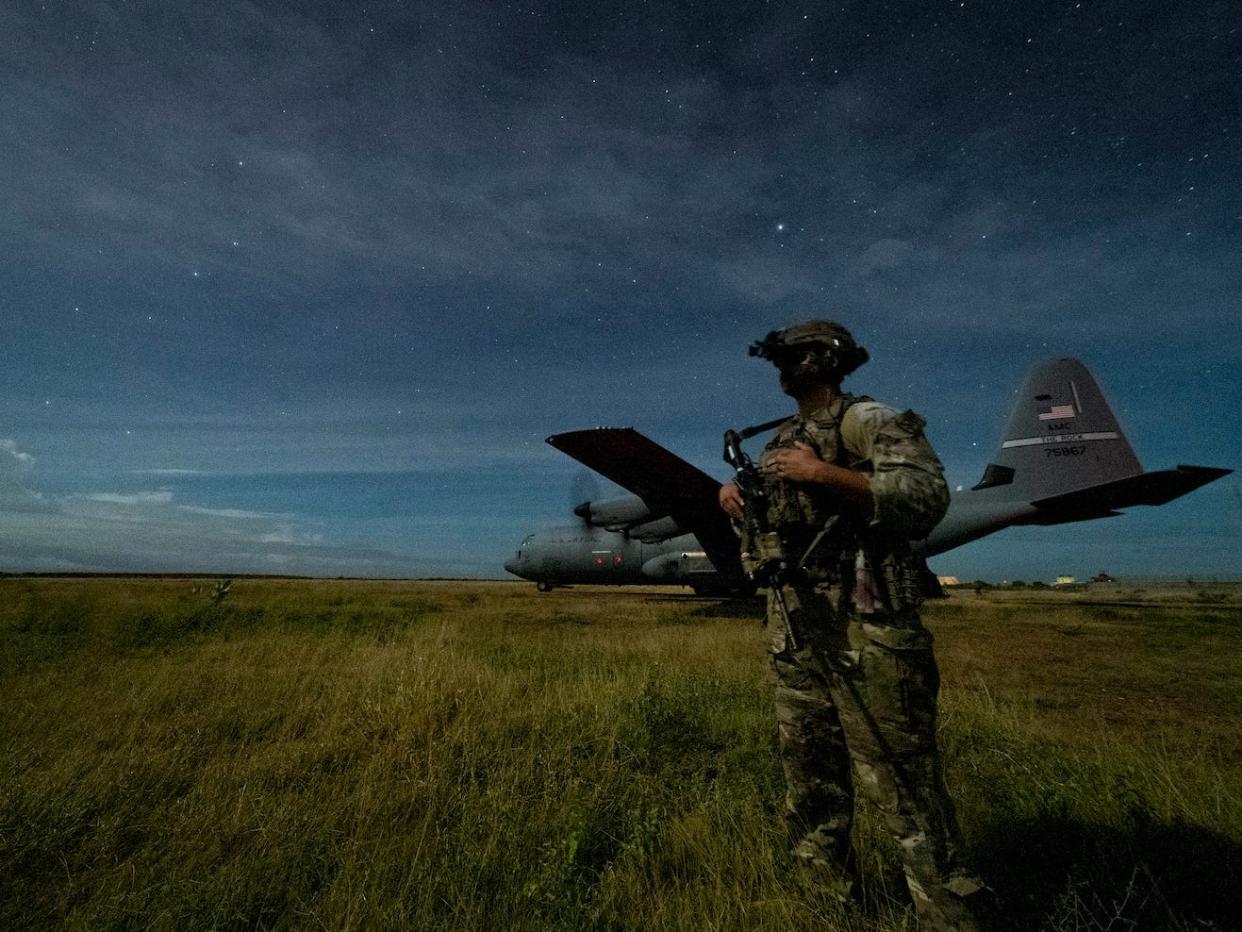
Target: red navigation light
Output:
{"points": [[599, 561], [617, 560]]}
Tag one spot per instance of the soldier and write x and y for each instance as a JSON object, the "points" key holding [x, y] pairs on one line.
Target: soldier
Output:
{"points": [[849, 484]]}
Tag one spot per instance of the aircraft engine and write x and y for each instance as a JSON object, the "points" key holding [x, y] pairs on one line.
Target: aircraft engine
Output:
{"points": [[651, 532], [614, 513]]}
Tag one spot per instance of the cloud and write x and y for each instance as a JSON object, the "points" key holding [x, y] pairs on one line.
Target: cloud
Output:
{"points": [[290, 534], [13, 462], [15, 496], [162, 497], [151, 531], [229, 512]]}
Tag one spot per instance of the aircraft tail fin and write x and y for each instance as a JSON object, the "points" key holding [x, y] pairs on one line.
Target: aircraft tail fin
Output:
{"points": [[1062, 458], [1061, 437]]}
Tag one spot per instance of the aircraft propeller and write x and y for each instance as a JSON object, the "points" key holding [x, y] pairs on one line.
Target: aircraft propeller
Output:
{"points": [[583, 489]]}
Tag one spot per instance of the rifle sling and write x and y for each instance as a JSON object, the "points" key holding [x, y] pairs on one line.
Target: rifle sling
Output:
{"points": [[749, 432]]}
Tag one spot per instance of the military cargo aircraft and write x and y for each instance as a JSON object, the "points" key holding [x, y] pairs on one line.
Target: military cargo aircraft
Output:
{"points": [[1063, 458]]}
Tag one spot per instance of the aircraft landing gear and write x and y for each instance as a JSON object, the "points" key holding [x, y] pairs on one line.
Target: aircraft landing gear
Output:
{"points": [[544, 586]]}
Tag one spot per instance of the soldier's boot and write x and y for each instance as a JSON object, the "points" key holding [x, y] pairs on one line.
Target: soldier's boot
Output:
{"points": [[960, 904]]}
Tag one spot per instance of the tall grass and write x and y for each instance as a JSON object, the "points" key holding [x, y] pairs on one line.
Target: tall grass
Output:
{"points": [[361, 755]]}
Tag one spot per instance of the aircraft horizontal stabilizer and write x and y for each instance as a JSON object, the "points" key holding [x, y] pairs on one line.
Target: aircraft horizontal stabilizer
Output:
{"points": [[1149, 488]]}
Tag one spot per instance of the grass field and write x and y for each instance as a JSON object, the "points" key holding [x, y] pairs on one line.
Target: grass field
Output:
{"points": [[472, 755]]}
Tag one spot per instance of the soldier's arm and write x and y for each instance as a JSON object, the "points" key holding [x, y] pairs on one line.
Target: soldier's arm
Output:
{"points": [[907, 485], [800, 463]]}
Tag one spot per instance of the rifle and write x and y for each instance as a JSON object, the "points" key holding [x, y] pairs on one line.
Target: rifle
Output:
{"points": [[765, 563]]}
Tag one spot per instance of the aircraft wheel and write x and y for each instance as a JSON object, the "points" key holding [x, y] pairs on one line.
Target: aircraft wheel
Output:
{"points": [[543, 586]]}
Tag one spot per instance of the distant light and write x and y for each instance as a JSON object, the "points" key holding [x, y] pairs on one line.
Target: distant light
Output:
{"points": [[780, 228]]}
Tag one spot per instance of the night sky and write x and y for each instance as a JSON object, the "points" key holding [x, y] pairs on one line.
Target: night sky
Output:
{"points": [[302, 287]]}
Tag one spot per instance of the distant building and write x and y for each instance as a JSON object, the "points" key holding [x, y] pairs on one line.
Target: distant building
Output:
{"points": [[948, 580], [1103, 577], [1064, 581]]}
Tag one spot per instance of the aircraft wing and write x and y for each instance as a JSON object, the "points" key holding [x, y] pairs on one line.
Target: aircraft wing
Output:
{"points": [[666, 483]]}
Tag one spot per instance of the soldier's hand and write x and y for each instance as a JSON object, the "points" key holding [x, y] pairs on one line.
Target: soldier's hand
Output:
{"points": [[731, 500], [798, 463]]}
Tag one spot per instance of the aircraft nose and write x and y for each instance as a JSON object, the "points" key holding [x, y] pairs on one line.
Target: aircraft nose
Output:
{"points": [[511, 566]]}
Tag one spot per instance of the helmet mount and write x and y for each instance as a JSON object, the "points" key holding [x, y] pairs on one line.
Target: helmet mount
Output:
{"points": [[822, 346]]}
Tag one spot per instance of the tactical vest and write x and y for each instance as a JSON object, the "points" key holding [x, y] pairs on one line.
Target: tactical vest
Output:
{"points": [[799, 512]]}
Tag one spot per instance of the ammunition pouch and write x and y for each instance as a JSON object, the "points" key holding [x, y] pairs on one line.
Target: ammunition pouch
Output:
{"points": [[900, 578], [895, 637], [763, 557]]}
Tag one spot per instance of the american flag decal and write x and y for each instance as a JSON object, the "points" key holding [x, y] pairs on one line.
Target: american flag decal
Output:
{"points": [[1057, 412]]}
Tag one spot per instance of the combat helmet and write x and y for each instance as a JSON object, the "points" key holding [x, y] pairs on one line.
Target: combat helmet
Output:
{"points": [[839, 354]]}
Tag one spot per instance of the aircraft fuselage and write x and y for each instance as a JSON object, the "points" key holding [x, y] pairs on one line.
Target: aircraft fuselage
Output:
{"points": [[588, 554]]}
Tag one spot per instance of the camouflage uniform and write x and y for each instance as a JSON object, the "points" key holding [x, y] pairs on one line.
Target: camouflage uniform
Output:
{"points": [[861, 689]]}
